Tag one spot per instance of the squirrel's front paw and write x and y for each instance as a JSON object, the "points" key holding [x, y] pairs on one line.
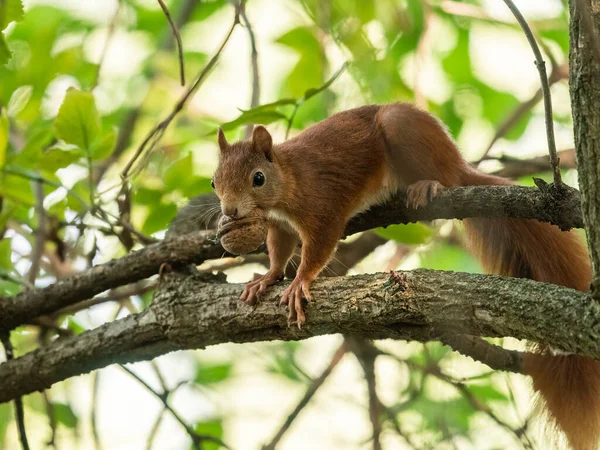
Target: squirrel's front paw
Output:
{"points": [[421, 193], [258, 286], [292, 298]]}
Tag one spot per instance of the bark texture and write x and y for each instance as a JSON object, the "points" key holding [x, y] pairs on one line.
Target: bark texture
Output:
{"points": [[459, 203], [584, 80], [197, 311]]}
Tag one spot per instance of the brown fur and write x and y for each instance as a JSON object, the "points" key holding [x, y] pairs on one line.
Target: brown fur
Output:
{"points": [[318, 180]]}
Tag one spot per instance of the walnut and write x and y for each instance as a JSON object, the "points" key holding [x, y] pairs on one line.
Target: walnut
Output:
{"points": [[242, 236]]}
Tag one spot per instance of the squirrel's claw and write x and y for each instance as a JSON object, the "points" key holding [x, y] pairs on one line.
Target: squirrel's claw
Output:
{"points": [[421, 193], [255, 288], [292, 298]]}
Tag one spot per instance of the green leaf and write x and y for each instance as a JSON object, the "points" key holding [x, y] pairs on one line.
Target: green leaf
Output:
{"points": [[18, 100], [411, 233], [5, 254], [8, 289], [78, 121], [5, 53], [13, 12], [4, 130], [65, 415], [56, 158], [435, 353], [179, 173], [487, 392], [82, 190], [17, 188], [454, 415], [283, 364], [5, 418], [442, 256], [159, 218], [74, 326], [103, 146], [145, 196], [210, 374], [212, 428], [38, 139]]}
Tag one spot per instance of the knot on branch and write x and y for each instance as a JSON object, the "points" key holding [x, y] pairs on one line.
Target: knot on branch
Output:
{"points": [[561, 201]]}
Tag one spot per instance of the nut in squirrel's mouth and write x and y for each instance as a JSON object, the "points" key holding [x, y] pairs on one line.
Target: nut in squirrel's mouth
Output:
{"points": [[244, 235]]}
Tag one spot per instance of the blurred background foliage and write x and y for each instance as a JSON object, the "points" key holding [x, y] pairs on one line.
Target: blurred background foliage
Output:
{"points": [[82, 83]]}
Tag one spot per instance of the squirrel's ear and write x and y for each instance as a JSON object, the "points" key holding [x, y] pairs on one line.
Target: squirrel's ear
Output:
{"points": [[223, 145], [262, 141]]}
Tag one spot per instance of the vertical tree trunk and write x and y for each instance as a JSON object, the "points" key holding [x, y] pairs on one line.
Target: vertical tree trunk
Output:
{"points": [[584, 80]]}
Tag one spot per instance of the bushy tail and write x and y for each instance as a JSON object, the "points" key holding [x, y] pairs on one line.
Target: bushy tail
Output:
{"points": [[569, 385]]}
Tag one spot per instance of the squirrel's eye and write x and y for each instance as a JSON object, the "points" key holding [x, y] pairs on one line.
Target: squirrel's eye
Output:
{"points": [[258, 180], [212, 183]]}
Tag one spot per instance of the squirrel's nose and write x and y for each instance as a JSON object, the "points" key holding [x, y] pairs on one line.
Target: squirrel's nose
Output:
{"points": [[230, 211]]}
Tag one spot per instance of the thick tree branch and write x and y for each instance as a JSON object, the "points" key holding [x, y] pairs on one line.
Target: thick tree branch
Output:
{"points": [[198, 311], [584, 83], [460, 203]]}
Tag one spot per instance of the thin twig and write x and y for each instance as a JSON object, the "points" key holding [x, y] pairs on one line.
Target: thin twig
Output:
{"points": [[177, 38], [37, 250], [154, 429], [308, 395], [311, 93], [197, 438], [19, 411], [94, 410], [156, 133], [516, 167], [558, 73], [255, 99], [109, 36], [51, 419], [541, 66], [362, 349], [131, 117], [588, 27], [115, 295]]}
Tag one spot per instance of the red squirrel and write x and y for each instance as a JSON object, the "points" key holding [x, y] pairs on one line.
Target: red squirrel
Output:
{"points": [[312, 184]]}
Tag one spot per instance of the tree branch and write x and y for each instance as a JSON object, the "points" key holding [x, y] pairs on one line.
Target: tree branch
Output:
{"points": [[195, 248], [198, 311]]}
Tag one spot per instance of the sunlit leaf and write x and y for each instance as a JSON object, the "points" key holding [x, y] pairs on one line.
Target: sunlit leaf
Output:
{"points": [[411, 233], [5, 52], [179, 173], [454, 415], [74, 326], [210, 374], [12, 11], [5, 253], [5, 419], [17, 188], [56, 158], [443, 256], [19, 100], [487, 392], [78, 121], [103, 146], [159, 218], [4, 130], [65, 415], [213, 428]]}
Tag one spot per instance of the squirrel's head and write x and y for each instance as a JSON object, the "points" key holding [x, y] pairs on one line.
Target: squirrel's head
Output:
{"points": [[247, 176]]}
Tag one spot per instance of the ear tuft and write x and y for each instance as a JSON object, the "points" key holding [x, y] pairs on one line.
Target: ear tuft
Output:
{"points": [[262, 141], [223, 145]]}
